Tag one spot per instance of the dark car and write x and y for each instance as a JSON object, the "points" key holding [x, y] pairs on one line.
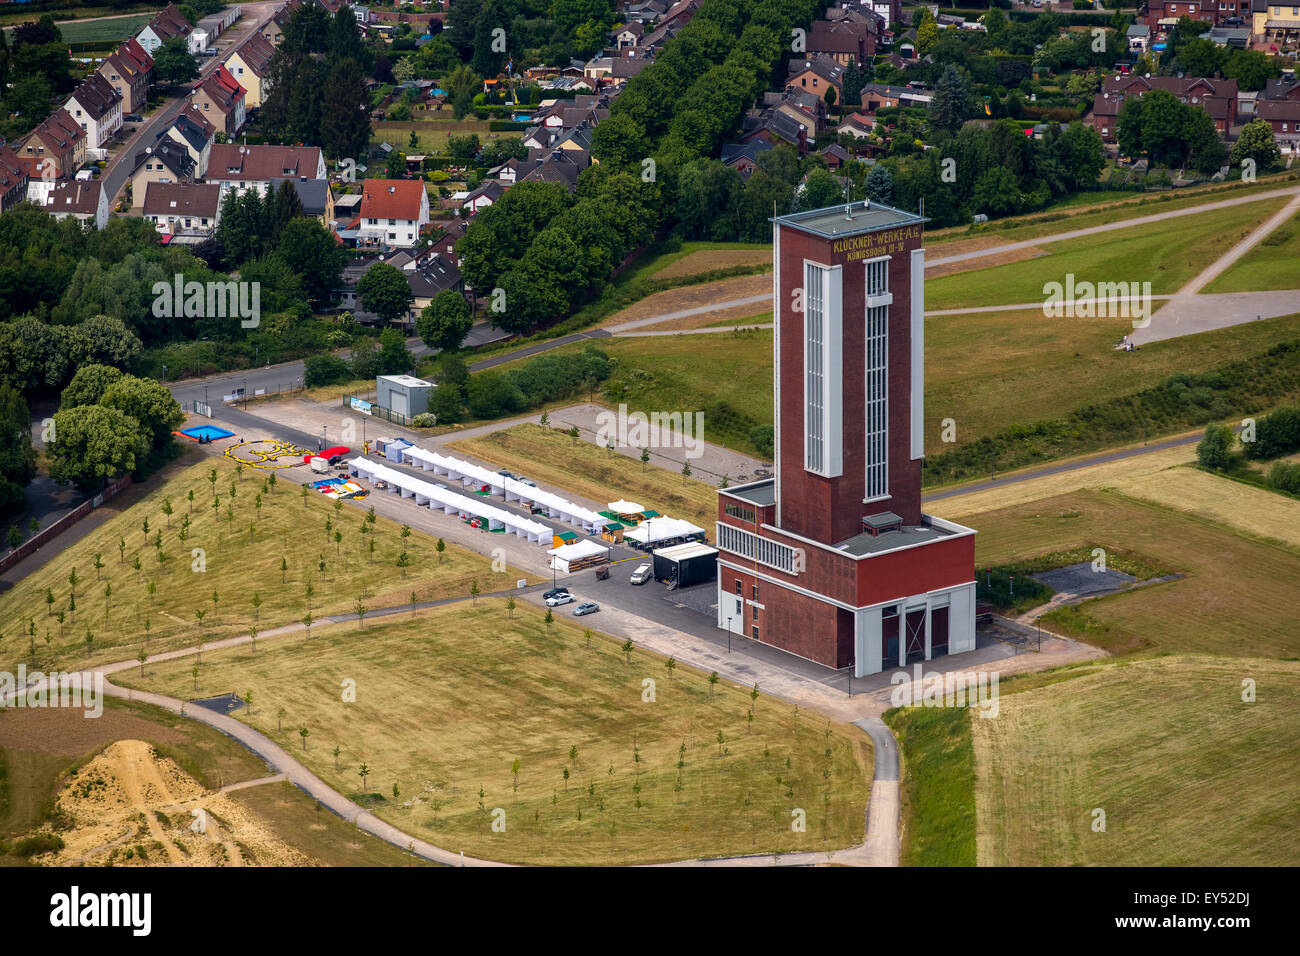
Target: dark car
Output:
{"points": [[553, 592]]}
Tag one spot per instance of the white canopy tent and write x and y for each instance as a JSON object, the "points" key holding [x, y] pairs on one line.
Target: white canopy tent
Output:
{"points": [[625, 507], [511, 489], [451, 502], [566, 556], [653, 530]]}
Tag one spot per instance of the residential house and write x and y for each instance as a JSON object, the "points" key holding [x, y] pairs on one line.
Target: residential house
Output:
{"points": [[857, 125], [129, 69], [184, 211], [220, 97], [628, 35], [96, 106], [315, 195], [776, 128], [879, 96], [835, 155], [195, 134], [60, 139], [250, 64], [13, 179], [166, 161], [1284, 116], [1139, 38], [1215, 96], [816, 75], [487, 193], [167, 23], [81, 199], [393, 211], [253, 167], [743, 157], [273, 29], [1278, 24], [560, 166], [679, 14], [844, 40]]}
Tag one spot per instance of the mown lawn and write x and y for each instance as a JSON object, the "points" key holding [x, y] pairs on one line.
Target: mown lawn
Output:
{"points": [[1166, 254], [447, 701], [1273, 264], [1156, 762], [222, 564]]}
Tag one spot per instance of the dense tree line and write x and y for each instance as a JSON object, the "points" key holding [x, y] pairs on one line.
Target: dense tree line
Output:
{"points": [[317, 91], [34, 68]]}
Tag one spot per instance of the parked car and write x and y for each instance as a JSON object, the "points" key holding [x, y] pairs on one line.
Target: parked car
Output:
{"points": [[558, 599], [642, 574], [505, 474], [587, 607], [554, 591], [207, 53], [133, 118], [525, 481]]}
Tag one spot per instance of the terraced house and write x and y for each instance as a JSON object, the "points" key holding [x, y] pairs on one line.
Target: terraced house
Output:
{"points": [[167, 23], [97, 107], [250, 65], [129, 69], [1215, 96], [220, 98], [59, 139], [255, 167]]}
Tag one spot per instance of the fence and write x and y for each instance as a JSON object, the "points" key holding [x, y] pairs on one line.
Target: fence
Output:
{"points": [[358, 404], [46, 535]]}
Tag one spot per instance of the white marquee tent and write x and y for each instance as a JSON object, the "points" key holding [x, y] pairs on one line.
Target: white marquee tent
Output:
{"points": [[468, 473], [654, 530], [451, 502], [565, 557]]}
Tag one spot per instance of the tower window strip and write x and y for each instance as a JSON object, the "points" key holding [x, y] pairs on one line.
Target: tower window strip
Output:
{"points": [[814, 347], [756, 548], [877, 382]]}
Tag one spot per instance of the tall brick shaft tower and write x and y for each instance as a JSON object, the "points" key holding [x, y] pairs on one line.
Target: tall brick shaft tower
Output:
{"points": [[833, 559]]}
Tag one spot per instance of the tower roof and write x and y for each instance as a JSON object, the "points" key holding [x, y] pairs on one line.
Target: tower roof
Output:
{"points": [[833, 223]]}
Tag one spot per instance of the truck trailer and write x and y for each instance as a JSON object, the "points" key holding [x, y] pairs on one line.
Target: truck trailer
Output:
{"points": [[685, 564]]}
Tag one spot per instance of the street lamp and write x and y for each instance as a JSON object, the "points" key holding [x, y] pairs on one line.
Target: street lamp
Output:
{"points": [[245, 393], [728, 634]]}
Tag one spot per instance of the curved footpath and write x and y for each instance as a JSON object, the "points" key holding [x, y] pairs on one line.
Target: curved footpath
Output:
{"points": [[879, 849]]}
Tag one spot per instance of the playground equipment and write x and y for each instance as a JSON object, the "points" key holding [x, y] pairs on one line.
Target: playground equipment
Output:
{"points": [[266, 453]]}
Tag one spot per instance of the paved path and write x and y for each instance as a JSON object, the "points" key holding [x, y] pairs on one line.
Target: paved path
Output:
{"points": [[687, 313]]}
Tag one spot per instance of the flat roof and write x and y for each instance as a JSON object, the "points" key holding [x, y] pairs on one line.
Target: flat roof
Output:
{"points": [[681, 552], [866, 543], [761, 493], [408, 381], [832, 222]]}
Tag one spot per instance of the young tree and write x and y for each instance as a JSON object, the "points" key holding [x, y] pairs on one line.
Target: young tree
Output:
{"points": [[474, 591], [304, 733]]}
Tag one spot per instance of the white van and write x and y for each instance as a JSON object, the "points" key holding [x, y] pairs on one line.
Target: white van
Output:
{"points": [[642, 574]]}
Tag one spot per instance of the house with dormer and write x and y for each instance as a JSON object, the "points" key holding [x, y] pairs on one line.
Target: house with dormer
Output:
{"points": [[61, 140], [96, 106], [393, 211], [129, 69], [236, 166], [250, 65], [1217, 97], [165, 24], [166, 161], [220, 98]]}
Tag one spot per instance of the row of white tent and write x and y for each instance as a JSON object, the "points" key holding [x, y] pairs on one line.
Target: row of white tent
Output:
{"points": [[451, 502], [512, 489]]}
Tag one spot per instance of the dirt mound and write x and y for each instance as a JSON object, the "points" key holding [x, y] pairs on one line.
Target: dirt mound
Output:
{"points": [[131, 806]]}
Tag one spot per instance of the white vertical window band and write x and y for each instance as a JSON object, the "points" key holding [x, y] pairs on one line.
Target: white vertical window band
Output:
{"points": [[876, 377], [823, 370], [918, 353]]}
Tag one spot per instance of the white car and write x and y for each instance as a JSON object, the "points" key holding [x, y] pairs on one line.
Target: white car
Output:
{"points": [[558, 599]]}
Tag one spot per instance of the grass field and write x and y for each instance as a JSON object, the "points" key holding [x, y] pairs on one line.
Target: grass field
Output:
{"points": [[432, 133], [990, 370], [550, 457], [694, 258], [1080, 214], [446, 701], [938, 799], [241, 548], [1270, 265], [1238, 596], [1166, 254], [696, 373], [108, 32], [1185, 771]]}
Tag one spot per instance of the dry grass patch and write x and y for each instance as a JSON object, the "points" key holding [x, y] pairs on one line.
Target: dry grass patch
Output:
{"points": [[447, 700], [692, 297], [710, 260], [234, 552], [550, 457], [1186, 772]]}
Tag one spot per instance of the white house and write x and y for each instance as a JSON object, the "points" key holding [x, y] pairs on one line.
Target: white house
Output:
{"points": [[393, 211], [97, 108]]}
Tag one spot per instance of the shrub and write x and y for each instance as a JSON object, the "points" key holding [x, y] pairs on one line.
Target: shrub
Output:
{"points": [[325, 370], [425, 420], [1285, 476], [1214, 451]]}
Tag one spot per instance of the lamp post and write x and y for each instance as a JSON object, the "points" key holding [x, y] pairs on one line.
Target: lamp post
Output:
{"points": [[245, 393], [728, 634]]}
